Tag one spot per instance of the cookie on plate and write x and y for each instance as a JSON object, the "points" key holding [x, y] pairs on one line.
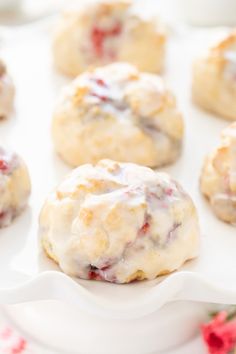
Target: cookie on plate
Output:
{"points": [[119, 113], [214, 79], [14, 185], [104, 32], [119, 222], [7, 92], [218, 179]]}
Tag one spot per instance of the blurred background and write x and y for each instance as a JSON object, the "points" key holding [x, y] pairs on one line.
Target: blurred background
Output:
{"points": [[193, 12]]}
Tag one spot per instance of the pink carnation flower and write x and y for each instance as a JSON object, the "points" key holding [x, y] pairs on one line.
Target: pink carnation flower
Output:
{"points": [[219, 334]]}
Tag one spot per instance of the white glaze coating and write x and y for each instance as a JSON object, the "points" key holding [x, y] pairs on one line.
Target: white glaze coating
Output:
{"points": [[119, 222], [119, 113]]}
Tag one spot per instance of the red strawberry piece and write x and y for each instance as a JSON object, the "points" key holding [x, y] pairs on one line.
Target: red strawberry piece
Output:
{"points": [[169, 191], [97, 37], [144, 229], [2, 214], [101, 97], [93, 275], [100, 82], [3, 165]]}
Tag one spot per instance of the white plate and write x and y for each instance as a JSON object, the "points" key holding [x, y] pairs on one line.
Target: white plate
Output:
{"points": [[63, 329], [23, 266]]}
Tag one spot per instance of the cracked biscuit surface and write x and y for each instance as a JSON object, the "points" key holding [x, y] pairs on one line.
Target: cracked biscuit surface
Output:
{"points": [[119, 222], [120, 113], [218, 178], [214, 79], [7, 92], [105, 32], [14, 186]]}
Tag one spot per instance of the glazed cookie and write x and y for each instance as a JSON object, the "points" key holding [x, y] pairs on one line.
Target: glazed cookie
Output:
{"points": [[218, 179], [214, 79], [14, 186], [119, 113], [7, 92], [119, 222], [104, 32]]}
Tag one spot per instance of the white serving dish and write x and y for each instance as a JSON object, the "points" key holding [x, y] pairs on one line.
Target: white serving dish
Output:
{"points": [[25, 272], [64, 329]]}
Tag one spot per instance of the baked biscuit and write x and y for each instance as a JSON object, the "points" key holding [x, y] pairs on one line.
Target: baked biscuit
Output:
{"points": [[14, 185], [218, 179], [104, 32], [214, 79], [119, 222], [119, 113], [7, 92]]}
